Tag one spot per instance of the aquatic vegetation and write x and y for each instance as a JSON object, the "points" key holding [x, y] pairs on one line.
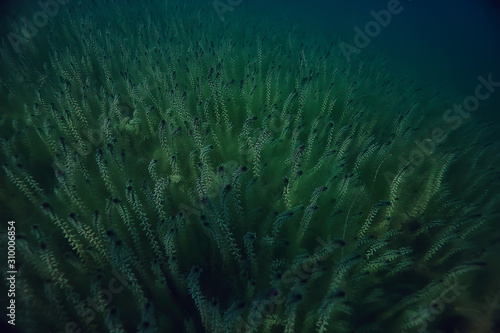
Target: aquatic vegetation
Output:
{"points": [[169, 172]]}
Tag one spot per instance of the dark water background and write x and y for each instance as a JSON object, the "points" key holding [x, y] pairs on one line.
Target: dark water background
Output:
{"points": [[445, 43], [448, 42], [453, 41]]}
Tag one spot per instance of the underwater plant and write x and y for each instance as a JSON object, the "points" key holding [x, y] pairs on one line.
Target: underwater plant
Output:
{"points": [[171, 173]]}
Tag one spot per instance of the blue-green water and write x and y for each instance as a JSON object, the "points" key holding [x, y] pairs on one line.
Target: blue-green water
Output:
{"points": [[446, 40]]}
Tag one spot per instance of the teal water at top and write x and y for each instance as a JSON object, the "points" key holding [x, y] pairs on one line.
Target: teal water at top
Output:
{"points": [[447, 44], [449, 41]]}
